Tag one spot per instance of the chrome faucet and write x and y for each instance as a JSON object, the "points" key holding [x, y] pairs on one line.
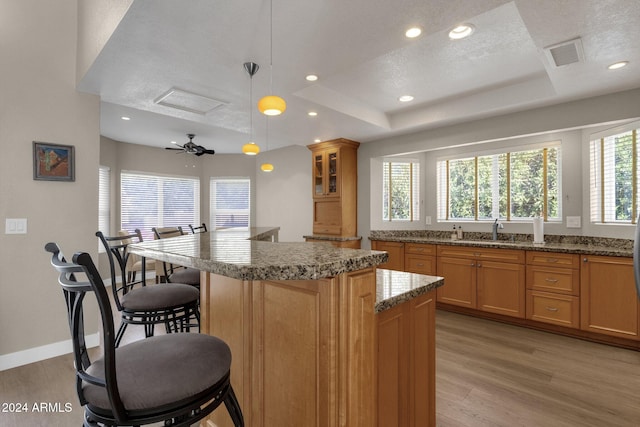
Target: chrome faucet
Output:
{"points": [[496, 225]]}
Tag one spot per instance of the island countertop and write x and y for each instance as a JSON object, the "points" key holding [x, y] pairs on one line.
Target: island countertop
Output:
{"points": [[394, 287], [235, 254]]}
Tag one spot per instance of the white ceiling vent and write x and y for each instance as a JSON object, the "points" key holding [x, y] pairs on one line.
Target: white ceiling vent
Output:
{"points": [[187, 101], [565, 53]]}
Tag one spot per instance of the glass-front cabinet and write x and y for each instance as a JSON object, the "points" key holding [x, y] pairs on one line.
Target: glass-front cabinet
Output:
{"points": [[326, 164]]}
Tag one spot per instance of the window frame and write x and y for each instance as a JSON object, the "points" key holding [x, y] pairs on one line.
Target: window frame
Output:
{"points": [[212, 200], [414, 189], [443, 191], [104, 202]]}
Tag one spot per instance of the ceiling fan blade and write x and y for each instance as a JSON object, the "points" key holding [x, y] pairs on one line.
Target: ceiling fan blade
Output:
{"points": [[171, 148]]}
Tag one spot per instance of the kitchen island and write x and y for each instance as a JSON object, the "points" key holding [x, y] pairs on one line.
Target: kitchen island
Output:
{"points": [[300, 319]]}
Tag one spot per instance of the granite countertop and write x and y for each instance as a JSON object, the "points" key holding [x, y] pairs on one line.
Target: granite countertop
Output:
{"points": [[235, 255], [582, 245], [395, 287], [332, 238]]}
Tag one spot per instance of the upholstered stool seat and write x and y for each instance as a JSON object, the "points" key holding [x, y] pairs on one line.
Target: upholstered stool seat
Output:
{"points": [[160, 296], [189, 276], [160, 373]]}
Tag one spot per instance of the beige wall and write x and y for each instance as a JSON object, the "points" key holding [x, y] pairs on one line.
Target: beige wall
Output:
{"points": [[39, 102]]}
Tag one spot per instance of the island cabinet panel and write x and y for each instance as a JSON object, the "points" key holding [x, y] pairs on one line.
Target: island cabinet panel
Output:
{"points": [[406, 364], [608, 301], [303, 350], [395, 251]]}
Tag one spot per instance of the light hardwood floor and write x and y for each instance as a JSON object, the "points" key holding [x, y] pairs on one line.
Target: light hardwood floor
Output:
{"points": [[492, 374], [487, 373]]}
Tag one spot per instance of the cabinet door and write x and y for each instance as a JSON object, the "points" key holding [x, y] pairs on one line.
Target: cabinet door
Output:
{"points": [[460, 281], [608, 300], [326, 173], [501, 288], [396, 254]]}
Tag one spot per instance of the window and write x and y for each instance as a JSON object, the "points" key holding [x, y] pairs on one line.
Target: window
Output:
{"points": [[230, 202], [400, 190], [148, 201], [507, 185], [614, 176], [104, 196]]}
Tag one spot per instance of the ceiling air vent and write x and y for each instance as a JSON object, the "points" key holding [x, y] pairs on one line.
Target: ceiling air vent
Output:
{"points": [[565, 53], [187, 101]]}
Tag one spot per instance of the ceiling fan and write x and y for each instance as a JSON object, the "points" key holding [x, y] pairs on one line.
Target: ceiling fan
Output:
{"points": [[191, 147]]}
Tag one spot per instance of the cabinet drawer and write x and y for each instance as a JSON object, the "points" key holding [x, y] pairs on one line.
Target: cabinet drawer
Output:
{"points": [[553, 259], [553, 279], [420, 264], [488, 254], [419, 249], [563, 310]]}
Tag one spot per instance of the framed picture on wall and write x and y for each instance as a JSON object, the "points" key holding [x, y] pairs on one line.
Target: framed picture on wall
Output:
{"points": [[53, 162]]}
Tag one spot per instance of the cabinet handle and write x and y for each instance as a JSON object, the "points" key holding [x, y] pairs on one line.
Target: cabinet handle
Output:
{"points": [[479, 264], [585, 259], [420, 264], [554, 309], [473, 264], [551, 280], [552, 259]]}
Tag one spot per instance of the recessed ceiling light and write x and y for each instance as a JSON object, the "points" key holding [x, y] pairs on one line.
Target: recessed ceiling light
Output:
{"points": [[413, 32], [317, 140], [125, 118], [312, 77], [461, 31], [312, 113], [405, 98], [173, 142], [618, 65]]}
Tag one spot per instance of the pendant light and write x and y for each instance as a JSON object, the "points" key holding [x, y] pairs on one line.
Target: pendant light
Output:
{"points": [[267, 167], [271, 105], [251, 148]]}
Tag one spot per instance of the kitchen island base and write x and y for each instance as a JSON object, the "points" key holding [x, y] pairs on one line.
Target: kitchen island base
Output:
{"points": [[303, 350]]}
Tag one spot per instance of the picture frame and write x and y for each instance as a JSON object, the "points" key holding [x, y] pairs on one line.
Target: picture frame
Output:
{"points": [[53, 162]]}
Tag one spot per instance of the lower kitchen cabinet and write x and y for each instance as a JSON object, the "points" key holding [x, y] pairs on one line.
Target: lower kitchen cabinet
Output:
{"points": [[395, 251], [608, 301], [406, 363], [557, 309], [491, 280], [420, 258]]}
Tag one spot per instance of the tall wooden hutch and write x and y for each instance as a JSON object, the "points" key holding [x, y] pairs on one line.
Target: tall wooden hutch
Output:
{"points": [[334, 191]]}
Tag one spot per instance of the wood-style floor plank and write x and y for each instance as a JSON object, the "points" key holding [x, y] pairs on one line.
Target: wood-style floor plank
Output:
{"points": [[493, 374]]}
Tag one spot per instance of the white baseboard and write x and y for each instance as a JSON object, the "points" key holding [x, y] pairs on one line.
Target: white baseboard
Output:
{"points": [[36, 354]]}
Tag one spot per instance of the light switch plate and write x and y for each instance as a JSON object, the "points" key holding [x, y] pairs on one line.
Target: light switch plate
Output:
{"points": [[15, 226], [573, 222], [427, 220]]}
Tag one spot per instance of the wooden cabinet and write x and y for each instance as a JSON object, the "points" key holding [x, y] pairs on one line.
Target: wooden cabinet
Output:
{"points": [[491, 280], [406, 364], [608, 301], [334, 189], [395, 251], [420, 258], [553, 288]]}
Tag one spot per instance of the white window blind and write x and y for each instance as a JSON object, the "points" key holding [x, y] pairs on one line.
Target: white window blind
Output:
{"points": [[230, 202], [508, 185], [614, 177], [400, 190], [104, 203], [148, 201]]}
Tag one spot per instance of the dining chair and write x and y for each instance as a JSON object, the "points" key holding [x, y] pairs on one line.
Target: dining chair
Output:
{"points": [[171, 304], [174, 379], [198, 229]]}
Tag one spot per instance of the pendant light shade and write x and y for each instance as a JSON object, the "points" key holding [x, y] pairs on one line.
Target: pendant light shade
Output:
{"points": [[250, 149], [272, 105], [266, 167]]}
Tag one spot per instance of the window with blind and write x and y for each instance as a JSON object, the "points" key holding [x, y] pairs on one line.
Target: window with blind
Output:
{"points": [[508, 185], [400, 190], [230, 200], [614, 175], [104, 196], [148, 201]]}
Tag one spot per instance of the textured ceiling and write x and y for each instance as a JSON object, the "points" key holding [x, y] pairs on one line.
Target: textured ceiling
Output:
{"points": [[364, 61]]}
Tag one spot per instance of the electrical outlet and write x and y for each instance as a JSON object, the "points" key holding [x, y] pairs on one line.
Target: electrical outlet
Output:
{"points": [[427, 220], [15, 226], [573, 222]]}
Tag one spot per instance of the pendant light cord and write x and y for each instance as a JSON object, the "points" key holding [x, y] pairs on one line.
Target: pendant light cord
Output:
{"points": [[271, 45]]}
